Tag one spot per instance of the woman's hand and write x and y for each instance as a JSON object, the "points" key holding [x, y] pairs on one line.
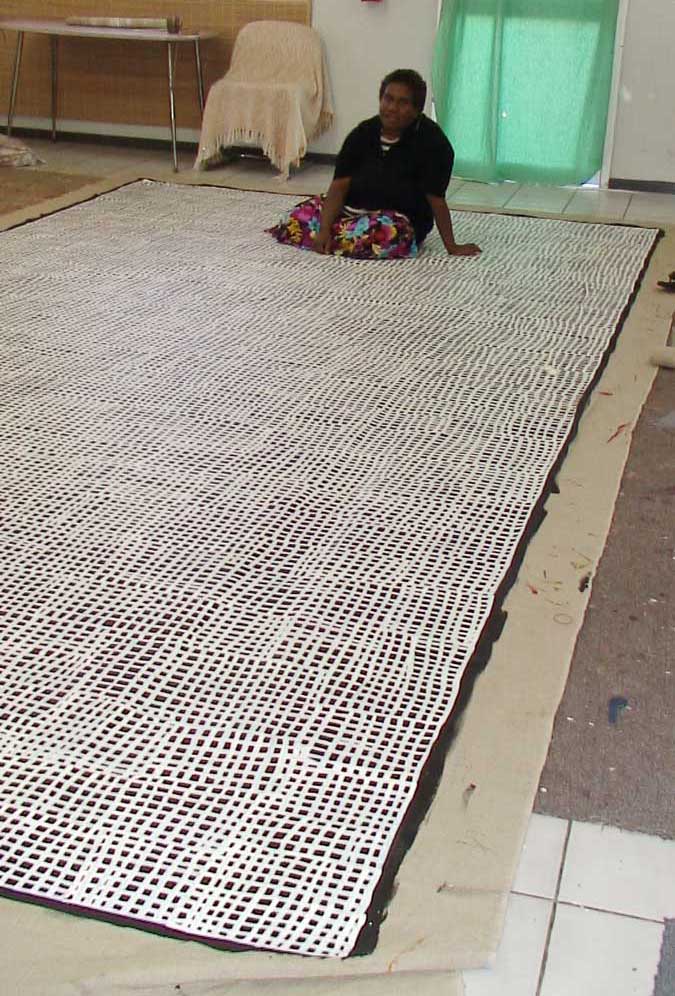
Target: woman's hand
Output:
{"points": [[444, 224], [321, 242], [464, 249], [332, 205]]}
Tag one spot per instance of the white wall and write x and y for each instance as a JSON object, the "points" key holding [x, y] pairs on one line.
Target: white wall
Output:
{"points": [[363, 42], [644, 128]]}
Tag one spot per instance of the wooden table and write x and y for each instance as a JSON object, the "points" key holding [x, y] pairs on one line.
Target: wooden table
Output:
{"points": [[59, 29]]}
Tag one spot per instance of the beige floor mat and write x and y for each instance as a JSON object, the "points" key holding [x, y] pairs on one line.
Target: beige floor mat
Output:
{"points": [[26, 187]]}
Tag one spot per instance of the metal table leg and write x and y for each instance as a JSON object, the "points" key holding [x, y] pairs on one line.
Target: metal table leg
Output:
{"points": [[171, 51], [200, 78], [15, 81], [54, 42]]}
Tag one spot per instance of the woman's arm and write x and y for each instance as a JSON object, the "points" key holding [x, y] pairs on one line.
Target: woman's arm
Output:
{"points": [[332, 205], [444, 225]]}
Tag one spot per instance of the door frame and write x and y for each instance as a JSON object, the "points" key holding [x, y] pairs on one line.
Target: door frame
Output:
{"points": [[612, 110]]}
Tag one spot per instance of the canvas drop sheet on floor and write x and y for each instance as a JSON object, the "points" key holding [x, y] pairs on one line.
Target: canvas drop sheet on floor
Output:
{"points": [[257, 507]]}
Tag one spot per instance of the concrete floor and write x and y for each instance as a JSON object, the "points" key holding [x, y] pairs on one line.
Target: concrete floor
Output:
{"points": [[589, 909]]}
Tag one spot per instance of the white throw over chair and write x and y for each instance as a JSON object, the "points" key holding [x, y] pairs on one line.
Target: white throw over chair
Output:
{"points": [[275, 95]]}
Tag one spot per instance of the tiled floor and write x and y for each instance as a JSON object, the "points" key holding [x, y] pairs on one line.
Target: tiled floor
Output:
{"points": [[601, 205], [586, 915], [587, 911]]}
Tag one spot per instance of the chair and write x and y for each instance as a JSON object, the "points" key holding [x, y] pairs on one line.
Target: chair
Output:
{"points": [[274, 95]]}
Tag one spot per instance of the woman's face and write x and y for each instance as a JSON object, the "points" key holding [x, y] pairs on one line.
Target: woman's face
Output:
{"points": [[397, 110]]}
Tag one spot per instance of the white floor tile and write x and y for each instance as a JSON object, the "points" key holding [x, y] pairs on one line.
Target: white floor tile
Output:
{"points": [[100, 159], [613, 869], [455, 184], [606, 205], [601, 954], [550, 200], [314, 180], [654, 208], [542, 853], [516, 969], [63, 161], [483, 194]]}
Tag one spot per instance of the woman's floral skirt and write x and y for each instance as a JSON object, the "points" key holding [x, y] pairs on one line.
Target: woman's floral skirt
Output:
{"points": [[366, 235]]}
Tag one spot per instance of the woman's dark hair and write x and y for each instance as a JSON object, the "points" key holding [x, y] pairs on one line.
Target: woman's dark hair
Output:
{"points": [[411, 79]]}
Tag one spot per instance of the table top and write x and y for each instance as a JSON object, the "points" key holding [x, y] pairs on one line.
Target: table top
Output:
{"points": [[47, 26]]}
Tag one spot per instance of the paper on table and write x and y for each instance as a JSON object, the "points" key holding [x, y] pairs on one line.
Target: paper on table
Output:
{"points": [[171, 24]]}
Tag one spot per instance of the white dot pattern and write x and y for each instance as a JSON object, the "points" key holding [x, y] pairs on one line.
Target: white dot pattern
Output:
{"points": [[257, 504]]}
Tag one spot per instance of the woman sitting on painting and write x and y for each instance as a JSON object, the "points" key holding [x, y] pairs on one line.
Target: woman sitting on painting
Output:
{"points": [[391, 177]]}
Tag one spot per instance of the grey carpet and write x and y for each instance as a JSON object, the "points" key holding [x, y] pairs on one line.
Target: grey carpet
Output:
{"points": [[611, 755]]}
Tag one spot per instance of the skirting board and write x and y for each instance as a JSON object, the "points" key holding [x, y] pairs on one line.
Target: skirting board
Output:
{"points": [[642, 186], [67, 127]]}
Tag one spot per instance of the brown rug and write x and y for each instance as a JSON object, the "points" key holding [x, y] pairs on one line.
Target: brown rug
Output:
{"points": [[610, 758], [20, 187]]}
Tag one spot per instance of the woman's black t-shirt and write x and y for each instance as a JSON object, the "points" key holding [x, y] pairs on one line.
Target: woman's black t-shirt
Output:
{"points": [[399, 179]]}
